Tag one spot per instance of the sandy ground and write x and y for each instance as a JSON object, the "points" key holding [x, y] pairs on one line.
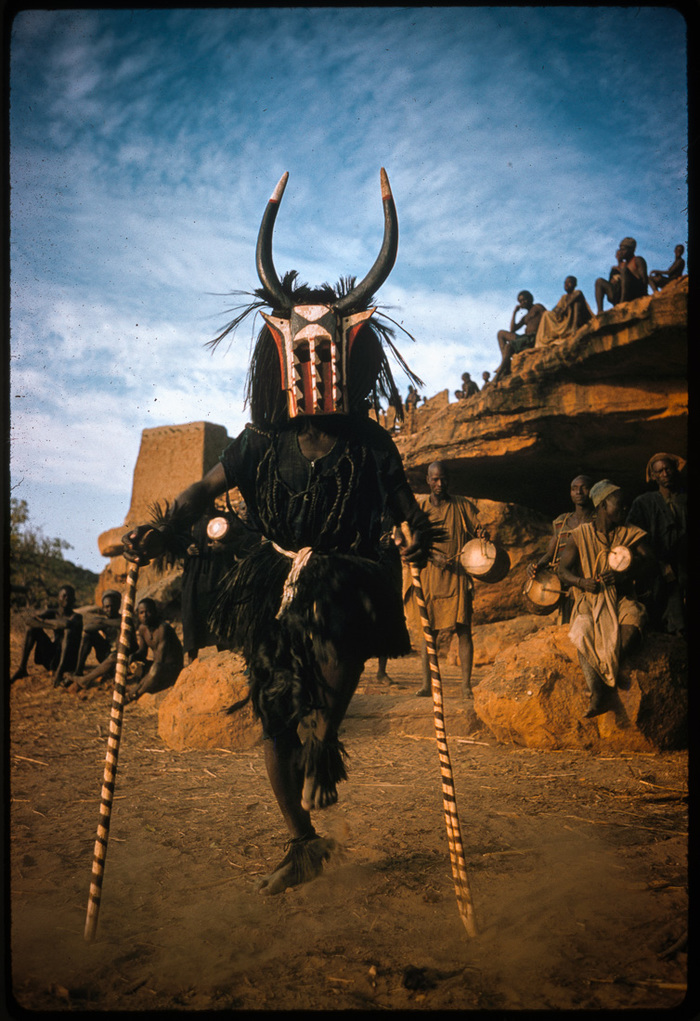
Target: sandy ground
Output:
{"points": [[577, 866]]}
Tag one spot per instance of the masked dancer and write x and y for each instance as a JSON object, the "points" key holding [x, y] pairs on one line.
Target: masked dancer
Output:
{"points": [[314, 600]]}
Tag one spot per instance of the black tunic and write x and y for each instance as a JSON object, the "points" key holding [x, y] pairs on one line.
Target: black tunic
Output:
{"points": [[346, 602]]}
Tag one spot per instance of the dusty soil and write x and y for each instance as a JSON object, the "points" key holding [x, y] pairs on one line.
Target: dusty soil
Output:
{"points": [[577, 865]]}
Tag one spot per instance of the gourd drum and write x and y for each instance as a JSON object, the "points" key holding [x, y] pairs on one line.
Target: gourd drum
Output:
{"points": [[485, 561], [543, 591], [619, 558]]}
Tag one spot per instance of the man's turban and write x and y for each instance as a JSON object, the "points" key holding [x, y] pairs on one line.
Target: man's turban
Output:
{"points": [[678, 461], [601, 490]]}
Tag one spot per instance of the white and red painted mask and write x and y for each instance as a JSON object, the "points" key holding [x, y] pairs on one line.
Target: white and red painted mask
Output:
{"points": [[314, 341]]}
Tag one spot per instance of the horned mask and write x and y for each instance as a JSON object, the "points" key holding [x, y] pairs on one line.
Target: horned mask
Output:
{"points": [[314, 342]]}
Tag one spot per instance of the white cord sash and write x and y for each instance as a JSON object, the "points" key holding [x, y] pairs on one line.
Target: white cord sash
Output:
{"points": [[299, 562]]}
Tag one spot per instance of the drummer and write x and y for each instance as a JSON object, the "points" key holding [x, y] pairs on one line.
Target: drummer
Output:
{"points": [[606, 620], [447, 587], [562, 527]]}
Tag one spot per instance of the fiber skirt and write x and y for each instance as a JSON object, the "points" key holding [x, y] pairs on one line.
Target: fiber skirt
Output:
{"points": [[344, 607]]}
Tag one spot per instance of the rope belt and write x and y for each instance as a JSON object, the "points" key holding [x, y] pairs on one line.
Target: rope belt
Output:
{"points": [[299, 562]]}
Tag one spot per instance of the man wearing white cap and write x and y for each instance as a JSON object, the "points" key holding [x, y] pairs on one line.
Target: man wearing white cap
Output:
{"points": [[606, 619]]}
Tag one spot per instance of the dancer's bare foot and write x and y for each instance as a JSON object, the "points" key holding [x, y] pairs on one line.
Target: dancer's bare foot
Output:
{"points": [[423, 692], [302, 863], [18, 675], [315, 795]]}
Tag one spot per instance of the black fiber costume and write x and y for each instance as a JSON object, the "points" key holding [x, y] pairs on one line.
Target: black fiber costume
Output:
{"points": [[345, 601], [320, 590]]}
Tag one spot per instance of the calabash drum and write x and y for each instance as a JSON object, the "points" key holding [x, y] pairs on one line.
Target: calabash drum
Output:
{"points": [[485, 561], [543, 591], [619, 558], [217, 528], [478, 557]]}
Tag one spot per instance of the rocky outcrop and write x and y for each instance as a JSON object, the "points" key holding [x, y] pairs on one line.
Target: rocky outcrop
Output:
{"points": [[601, 401], [193, 713], [535, 695]]}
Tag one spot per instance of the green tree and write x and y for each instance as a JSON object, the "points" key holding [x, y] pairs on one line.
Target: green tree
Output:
{"points": [[38, 567]]}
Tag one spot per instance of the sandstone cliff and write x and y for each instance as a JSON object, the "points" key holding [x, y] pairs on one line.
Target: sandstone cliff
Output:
{"points": [[600, 402]]}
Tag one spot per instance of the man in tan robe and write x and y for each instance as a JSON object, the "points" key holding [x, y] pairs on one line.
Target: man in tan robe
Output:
{"points": [[570, 313], [447, 586], [606, 619]]}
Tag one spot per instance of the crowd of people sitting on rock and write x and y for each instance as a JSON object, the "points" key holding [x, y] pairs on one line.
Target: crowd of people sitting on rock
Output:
{"points": [[627, 280], [533, 326]]}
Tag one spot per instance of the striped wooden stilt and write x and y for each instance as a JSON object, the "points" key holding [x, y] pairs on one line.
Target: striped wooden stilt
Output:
{"points": [[454, 833], [110, 770]]}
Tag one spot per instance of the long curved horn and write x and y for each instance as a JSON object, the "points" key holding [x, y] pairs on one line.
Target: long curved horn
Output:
{"points": [[263, 252], [386, 258]]}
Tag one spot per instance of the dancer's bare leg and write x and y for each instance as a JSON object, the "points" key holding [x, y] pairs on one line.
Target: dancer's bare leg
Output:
{"points": [[306, 850], [319, 791]]}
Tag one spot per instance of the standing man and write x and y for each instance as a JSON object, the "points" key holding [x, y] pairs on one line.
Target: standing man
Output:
{"points": [[510, 342], [607, 619], [447, 586], [562, 527], [663, 515]]}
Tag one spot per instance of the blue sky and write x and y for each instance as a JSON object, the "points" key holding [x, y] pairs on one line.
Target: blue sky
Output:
{"points": [[521, 145]]}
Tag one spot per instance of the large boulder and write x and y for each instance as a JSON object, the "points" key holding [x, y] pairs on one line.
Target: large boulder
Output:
{"points": [[193, 712], [535, 695]]}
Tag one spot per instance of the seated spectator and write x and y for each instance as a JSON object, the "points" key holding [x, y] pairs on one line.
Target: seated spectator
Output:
{"points": [[627, 280], [58, 652], [570, 313], [154, 635], [469, 387], [606, 618], [658, 278], [662, 513], [510, 341], [101, 625], [486, 376]]}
